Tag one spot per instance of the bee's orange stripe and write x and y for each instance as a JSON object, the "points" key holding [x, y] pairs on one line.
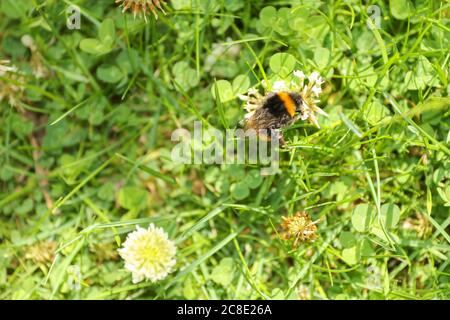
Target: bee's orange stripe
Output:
{"points": [[287, 102]]}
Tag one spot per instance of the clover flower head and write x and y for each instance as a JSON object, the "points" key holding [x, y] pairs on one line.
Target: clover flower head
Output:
{"points": [[300, 227], [303, 292], [148, 254], [42, 252], [419, 224], [36, 60], [142, 7]]}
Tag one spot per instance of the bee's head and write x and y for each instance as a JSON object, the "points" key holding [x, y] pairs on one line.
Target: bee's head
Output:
{"points": [[297, 98]]}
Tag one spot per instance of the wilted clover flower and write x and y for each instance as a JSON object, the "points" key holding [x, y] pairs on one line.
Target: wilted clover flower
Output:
{"points": [[299, 227], [5, 67], [12, 85], [148, 254], [308, 90], [419, 224], [36, 59], [142, 7], [41, 252], [104, 252], [303, 292]]}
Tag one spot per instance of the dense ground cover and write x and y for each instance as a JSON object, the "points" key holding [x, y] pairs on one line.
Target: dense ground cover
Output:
{"points": [[85, 149]]}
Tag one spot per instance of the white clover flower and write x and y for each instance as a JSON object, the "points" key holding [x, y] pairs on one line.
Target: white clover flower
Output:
{"points": [[148, 254]]}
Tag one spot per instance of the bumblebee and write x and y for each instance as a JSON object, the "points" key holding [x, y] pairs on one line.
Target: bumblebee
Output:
{"points": [[276, 111], [280, 108]]}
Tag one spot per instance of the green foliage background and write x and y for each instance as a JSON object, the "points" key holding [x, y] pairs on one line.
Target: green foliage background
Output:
{"points": [[91, 132]]}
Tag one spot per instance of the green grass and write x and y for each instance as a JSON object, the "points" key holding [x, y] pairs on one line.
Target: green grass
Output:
{"points": [[85, 150]]}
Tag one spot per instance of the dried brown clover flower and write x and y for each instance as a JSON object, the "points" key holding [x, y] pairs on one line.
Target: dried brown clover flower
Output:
{"points": [[41, 252], [104, 252], [299, 227], [12, 84], [419, 224], [142, 7]]}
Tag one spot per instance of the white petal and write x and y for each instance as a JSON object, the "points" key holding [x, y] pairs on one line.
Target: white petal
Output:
{"points": [[299, 74], [314, 120], [252, 91], [264, 84], [313, 76], [304, 116], [279, 86], [318, 110], [316, 90], [243, 97]]}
